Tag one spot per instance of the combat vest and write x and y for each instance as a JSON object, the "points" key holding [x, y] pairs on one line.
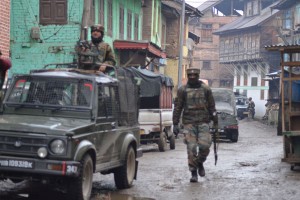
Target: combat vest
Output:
{"points": [[196, 105], [101, 50]]}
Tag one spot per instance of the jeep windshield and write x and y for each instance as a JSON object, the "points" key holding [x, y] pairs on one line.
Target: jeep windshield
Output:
{"points": [[49, 93]]}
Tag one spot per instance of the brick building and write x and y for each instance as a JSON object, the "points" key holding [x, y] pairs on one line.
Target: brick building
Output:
{"points": [[4, 27], [217, 13]]}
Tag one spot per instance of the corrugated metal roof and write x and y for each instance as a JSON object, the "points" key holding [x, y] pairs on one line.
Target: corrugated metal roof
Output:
{"points": [[208, 4], [281, 47], [176, 4], [284, 4], [248, 22]]}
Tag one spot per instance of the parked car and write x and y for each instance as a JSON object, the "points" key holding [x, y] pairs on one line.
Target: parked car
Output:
{"points": [[226, 109], [241, 107]]}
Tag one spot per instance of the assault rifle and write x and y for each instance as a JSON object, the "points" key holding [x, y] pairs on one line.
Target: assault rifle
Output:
{"points": [[215, 133]]}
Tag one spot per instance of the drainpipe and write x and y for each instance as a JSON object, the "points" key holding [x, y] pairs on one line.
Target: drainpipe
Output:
{"points": [[181, 44]]}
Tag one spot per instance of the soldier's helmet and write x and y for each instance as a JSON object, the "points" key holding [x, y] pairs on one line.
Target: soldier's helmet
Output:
{"points": [[250, 98], [97, 27], [193, 70]]}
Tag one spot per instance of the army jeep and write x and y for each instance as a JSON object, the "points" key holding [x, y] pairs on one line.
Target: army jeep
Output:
{"points": [[62, 125]]}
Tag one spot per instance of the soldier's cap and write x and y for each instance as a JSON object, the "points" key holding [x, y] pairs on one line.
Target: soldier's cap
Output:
{"points": [[193, 70], [97, 27]]}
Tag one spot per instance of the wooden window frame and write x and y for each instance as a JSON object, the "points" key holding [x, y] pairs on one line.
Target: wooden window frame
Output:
{"points": [[206, 65], [136, 26], [101, 12], [109, 17], [129, 24], [55, 9], [121, 21]]}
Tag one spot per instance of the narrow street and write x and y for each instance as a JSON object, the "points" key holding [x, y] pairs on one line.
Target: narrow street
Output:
{"points": [[248, 169]]}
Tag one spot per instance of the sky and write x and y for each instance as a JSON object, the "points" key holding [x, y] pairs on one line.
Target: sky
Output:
{"points": [[195, 3]]}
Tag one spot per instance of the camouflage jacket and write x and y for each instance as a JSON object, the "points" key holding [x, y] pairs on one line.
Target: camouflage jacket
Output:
{"points": [[105, 53], [196, 104]]}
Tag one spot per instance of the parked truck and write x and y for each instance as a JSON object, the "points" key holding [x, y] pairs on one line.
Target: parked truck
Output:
{"points": [[155, 113], [59, 126]]}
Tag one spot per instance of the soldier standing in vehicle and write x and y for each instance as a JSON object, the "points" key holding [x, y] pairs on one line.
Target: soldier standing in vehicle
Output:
{"points": [[105, 55], [196, 104]]}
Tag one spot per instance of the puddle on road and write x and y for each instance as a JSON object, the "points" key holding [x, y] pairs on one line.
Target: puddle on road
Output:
{"points": [[113, 196]]}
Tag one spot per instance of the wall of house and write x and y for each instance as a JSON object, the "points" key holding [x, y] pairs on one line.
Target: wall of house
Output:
{"points": [[4, 27], [152, 21], [208, 51], [57, 42]]}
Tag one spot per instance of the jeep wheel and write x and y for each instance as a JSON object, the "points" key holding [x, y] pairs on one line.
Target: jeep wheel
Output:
{"points": [[81, 187], [172, 141], [162, 142], [124, 175]]}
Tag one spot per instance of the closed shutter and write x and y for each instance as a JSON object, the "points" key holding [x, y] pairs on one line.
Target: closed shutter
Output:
{"points": [[53, 12]]}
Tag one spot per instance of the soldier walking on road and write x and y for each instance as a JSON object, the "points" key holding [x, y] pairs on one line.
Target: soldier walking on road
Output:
{"points": [[196, 104]]}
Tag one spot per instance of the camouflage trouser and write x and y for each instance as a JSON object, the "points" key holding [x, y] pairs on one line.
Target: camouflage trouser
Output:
{"points": [[198, 141]]}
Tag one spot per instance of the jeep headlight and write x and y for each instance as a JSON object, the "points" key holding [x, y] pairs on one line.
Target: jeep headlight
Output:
{"points": [[58, 146]]}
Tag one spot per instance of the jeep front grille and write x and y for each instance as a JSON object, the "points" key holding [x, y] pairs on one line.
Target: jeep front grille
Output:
{"points": [[21, 145]]}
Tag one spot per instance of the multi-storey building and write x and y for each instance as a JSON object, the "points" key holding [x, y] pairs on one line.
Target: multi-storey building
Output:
{"points": [[44, 32], [242, 49], [217, 13]]}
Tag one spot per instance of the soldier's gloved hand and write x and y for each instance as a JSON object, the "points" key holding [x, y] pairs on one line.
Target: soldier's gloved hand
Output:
{"points": [[176, 129], [214, 118]]}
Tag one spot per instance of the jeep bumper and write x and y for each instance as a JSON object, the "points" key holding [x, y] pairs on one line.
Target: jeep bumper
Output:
{"points": [[32, 166]]}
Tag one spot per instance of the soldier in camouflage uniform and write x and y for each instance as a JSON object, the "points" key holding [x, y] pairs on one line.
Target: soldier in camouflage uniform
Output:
{"points": [[102, 49], [196, 104]]}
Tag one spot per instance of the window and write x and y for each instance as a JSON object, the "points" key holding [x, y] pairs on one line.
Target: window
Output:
{"points": [[101, 12], [109, 17], [287, 20], [245, 79], [107, 106], [121, 22], [238, 80], [254, 81], [206, 33], [262, 94], [129, 24], [249, 9], [53, 12], [136, 26], [206, 65]]}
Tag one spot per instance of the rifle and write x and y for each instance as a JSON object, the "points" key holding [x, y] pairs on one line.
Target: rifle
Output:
{"points": [[215, 132]]}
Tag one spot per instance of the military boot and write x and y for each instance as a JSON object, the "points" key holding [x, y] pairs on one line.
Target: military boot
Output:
{"points": [[194, 177], [201, 170]]}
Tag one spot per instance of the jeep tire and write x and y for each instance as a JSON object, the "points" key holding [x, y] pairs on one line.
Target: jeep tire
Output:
{"points": [[124, 175], [81, 187]]}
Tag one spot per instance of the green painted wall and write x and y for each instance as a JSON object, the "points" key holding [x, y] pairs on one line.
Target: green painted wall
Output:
{"points": [[57, 42]]}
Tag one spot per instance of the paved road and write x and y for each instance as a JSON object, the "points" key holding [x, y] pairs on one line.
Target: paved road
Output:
{"points": [[249, 169]]}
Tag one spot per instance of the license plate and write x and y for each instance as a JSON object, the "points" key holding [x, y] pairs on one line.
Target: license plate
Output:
{"points": [[17, 163]]}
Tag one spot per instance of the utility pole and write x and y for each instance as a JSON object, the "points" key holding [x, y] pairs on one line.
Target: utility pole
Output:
{"points": [[85, 18], [181, 44]]}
